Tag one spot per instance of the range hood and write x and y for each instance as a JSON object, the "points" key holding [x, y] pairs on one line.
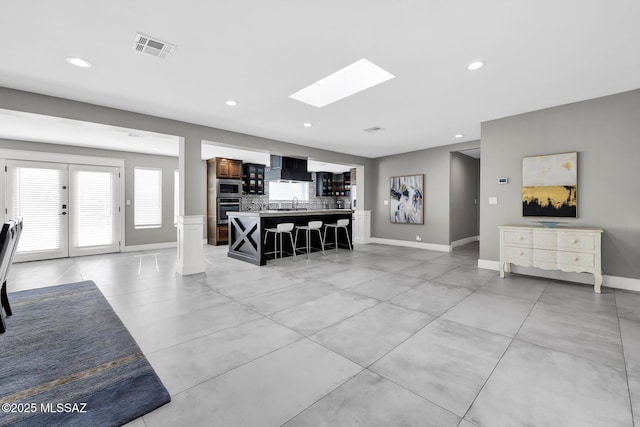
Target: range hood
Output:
{"points": [[287, 169]]}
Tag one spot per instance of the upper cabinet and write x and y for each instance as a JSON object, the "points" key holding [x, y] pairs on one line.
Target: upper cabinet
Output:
{"points": [[228, 168], [331, 184], [324, 184], [253, 178]]}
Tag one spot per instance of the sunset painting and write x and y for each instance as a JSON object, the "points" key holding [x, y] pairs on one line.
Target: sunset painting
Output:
{"points": [[550, 185]]}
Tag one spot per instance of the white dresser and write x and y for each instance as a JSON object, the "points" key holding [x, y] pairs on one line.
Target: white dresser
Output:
{"points": [[562, 248]]}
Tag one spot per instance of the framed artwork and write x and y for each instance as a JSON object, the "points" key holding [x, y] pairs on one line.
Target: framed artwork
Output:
{"points": [[550, 185], [407, 199]]}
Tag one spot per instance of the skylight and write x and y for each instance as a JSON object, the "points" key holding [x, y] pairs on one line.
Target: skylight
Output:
{"points": [[352, 79]]}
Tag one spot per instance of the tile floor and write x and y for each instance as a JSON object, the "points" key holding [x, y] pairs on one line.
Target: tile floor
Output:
{"points": [[382, 336]]}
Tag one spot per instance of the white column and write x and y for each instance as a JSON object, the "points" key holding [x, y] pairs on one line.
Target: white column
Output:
{"points": [[190, 257], [190, 219]]}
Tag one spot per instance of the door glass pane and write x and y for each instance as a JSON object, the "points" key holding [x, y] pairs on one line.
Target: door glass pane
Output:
{"points": [[93, 208], [37, 197]]}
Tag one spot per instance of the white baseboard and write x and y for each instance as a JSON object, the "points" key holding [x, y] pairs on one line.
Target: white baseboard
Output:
{"points": [[408, 244], [150, 246], [488, 265], [465, 241], [617, 282]]}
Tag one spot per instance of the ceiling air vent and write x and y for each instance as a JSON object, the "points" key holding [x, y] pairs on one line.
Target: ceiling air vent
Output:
{"points": [[153, 47], [374, 129]]}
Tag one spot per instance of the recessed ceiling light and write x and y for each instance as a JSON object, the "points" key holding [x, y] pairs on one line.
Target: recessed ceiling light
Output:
{"points": [[78, 62], [307, 125], [352, 79], [475, 65], [231, 103], [460, 135]]}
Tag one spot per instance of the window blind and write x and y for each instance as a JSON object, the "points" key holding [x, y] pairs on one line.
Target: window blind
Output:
{"points": [[37, 198], [94, 206], [147, 198]]}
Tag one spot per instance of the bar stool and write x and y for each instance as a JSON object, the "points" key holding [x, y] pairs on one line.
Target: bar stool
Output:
{"points": [[342, 223], [278, 231], [311, 226]]}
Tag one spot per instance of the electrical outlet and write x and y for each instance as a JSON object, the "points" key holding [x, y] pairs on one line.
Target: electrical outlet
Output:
{"points": [[419, 239]]}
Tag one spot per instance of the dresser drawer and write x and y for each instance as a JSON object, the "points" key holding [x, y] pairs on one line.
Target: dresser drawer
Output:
{"points": [[518, 237], [576, 241], [576, 259], [518, 255], [545, 239]]}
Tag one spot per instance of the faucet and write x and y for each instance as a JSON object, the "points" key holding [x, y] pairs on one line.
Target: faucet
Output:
{"points": [[294, 203]]}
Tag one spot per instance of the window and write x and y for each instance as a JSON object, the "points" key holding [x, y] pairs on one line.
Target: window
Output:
{"points": [[288, 190], [176, 196], [147, 198]]}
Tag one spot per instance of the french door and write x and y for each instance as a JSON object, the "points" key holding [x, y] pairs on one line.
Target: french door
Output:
{"points": [[67, 209]]}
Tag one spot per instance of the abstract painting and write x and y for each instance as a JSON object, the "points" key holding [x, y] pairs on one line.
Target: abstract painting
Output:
{"points": [[550, 185], [407, 199]]}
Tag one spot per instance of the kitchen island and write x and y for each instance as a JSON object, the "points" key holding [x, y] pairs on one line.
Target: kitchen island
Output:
{"points": [[247, 231]]}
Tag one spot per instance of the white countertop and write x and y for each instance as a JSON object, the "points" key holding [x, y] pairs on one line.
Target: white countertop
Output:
{"points": [[276, 213]]}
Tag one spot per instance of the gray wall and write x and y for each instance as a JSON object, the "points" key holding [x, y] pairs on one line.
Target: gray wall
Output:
{"points": [[193, 134], [168, 165], [605, 133], [434, 163], [465, 186]]}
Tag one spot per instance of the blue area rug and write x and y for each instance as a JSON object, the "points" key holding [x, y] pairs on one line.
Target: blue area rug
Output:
{"points": [[67, 360]]}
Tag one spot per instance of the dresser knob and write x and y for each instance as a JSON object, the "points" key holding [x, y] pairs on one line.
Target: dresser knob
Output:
{"points": [[574, 241], [575, 258], [521, 253], [521, 237]]}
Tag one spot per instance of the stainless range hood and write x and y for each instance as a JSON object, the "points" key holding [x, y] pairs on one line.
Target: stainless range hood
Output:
{"points": [[287, 169]]}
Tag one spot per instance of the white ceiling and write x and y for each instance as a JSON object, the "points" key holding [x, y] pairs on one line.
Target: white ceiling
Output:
{"points": [[539, 53]]}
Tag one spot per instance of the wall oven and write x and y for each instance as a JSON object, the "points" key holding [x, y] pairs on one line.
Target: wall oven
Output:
{"points": [[229, 188], [226, 205]]}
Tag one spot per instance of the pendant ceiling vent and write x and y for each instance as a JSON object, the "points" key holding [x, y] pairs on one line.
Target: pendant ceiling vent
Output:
{"points": [[153, 47]]}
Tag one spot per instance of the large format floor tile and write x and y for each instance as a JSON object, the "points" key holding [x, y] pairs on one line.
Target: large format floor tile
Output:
{"points": [[494, 313], [630, 330], [266, 392], [634, 389], [162, 332], [229, 342], [282, 299], [535, 386], [386, 286], [193, 362], [316, 315], [370, 400], [467, 277], [446, 363], [628, 303], [431, 297], [591, 336], [370, 334], [524, 287]]}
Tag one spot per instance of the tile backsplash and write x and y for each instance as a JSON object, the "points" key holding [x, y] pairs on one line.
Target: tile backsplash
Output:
{"points": [[256, 203]]}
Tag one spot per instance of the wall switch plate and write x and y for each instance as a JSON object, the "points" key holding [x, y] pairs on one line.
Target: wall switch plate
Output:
{"points": [[418, 238], [128, 202], [503, 180], [493, 200], [386, 202]]}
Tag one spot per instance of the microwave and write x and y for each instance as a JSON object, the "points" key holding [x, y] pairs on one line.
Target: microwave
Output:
{"points": [[229, 188]]}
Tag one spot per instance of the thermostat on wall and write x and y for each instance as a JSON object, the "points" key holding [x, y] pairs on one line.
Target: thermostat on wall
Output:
{"points": [[503, 180]]}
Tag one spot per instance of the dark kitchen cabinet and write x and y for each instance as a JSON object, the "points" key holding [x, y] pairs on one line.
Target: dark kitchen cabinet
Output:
{"points": [[253, 178], [324, 184]]}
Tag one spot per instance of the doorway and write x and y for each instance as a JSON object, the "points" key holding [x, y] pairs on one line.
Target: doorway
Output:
{"points": [[67, 209]]}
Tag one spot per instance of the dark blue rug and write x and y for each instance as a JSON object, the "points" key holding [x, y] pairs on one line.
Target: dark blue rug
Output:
{"points": [[67, 360]]}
